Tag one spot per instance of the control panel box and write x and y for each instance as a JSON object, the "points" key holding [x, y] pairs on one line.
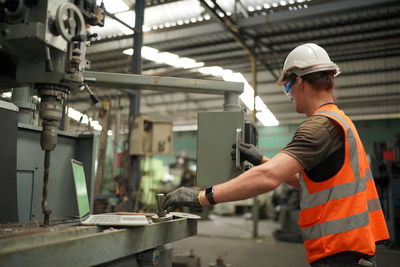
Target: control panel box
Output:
{"points": [[149, 137], [217, 132]]}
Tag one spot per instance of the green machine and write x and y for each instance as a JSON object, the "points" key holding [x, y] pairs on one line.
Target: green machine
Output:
{"points": [[217, 132], [42, 52]]}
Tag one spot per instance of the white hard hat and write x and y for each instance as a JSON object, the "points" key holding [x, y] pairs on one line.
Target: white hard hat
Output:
{"points": [[305, 59]]}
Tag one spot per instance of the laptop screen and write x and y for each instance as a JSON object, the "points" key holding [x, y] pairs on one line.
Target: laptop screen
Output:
{"points": [[80, 187]]}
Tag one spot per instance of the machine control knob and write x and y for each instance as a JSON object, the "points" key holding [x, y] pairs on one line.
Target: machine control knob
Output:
{"points": [[69, 22]]}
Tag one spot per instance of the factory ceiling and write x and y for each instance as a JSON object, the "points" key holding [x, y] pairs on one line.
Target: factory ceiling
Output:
{"points": [[361, 36]]}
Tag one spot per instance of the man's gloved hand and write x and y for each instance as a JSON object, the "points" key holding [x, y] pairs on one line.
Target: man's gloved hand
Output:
{"points": [[182, 196], [248, 152]]}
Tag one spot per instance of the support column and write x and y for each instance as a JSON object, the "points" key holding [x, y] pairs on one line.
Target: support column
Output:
{"points": [[22, 98], [134, 110], [231, 101]]}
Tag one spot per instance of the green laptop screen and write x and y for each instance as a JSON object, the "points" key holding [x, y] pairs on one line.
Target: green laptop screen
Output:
{"points": [[80, 187]]}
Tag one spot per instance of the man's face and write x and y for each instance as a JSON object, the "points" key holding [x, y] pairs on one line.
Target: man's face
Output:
{"points": [[297, 95]]}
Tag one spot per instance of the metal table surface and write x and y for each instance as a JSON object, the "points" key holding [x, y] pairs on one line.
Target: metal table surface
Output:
{"points": [[86, 245]]}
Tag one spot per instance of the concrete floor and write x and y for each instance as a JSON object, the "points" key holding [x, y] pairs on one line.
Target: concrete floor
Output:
{"points": [[230, 237]]}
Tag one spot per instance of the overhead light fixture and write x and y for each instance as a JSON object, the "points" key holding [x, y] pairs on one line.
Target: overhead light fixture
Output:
{"points": [[83, 118], [267, 118], [6, 95], [210, 3], [129, 18], [146, 28], [166, 58], [184, 128]]}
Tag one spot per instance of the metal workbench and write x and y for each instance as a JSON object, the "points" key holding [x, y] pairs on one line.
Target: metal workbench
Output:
{"points": [[31, 245]]}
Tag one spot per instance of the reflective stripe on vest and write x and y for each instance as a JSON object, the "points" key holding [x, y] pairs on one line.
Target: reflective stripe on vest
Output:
{"points": [[351, 140], [343, 190], [341, 225]]}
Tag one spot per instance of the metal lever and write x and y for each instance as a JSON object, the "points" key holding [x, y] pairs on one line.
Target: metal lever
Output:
{"points": [[162, 215], [160, 211], [93, 97], [238, 141]]}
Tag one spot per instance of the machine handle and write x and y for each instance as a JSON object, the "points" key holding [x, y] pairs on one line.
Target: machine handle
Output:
{"points": [[237, 151]]}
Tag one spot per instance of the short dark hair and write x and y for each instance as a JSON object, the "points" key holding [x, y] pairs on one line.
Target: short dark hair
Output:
{"points": [[321, 80]]}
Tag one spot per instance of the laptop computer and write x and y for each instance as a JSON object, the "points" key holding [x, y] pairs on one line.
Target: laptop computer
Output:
{"points": [[85, 215]]}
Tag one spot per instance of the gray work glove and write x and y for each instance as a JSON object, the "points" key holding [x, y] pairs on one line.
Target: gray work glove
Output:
{"points": [[182, 196], [248, 152]]}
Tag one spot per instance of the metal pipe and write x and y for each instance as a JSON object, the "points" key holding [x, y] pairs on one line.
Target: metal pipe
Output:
{"points": [[159, 83], [22, 98], [134, 109], [118, 20], [231, 101]]}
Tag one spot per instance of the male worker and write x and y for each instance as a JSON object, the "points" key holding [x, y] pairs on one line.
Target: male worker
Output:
{"points": [[340, 217]]}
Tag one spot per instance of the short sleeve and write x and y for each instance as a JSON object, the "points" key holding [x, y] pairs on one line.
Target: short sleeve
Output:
{"points": [[312, 143]]}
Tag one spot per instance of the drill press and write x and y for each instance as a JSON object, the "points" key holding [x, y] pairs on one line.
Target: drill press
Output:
{"points": [[42, 47]]}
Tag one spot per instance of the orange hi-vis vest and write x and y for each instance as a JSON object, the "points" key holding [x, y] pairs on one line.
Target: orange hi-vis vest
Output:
{"points": [[342, 213]]}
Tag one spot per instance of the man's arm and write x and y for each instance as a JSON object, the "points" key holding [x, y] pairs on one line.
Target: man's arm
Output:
{"points": [[294, 181], [260, 179]]}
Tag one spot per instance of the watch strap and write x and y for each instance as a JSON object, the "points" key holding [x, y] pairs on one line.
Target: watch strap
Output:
{"points": [[210, 195]]}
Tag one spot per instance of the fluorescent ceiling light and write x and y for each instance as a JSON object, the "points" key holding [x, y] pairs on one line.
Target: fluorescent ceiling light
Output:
{"points": [[129, 18], [114, 6], [166, 58], [76, 115], [182, 128], [267, 118], [6, 94]]}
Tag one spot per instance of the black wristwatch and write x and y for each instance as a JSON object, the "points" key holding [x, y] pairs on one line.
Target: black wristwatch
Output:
{"points": [[210, 195]]}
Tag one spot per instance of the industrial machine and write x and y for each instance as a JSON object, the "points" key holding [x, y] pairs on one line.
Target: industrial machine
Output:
{"points": [[42, 51]]}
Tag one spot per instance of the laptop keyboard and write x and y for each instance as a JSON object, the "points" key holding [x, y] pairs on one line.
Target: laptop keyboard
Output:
{"points": [[105, 219]]}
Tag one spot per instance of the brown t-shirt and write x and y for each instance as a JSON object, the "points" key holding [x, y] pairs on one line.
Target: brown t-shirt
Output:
{"points": [[318, 145]]}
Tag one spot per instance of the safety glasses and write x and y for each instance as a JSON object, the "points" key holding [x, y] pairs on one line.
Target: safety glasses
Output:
{"points": [[287, 87]]}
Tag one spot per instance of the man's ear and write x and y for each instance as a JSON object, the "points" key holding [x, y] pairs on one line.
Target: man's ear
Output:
{"points": [[299, 80]]}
